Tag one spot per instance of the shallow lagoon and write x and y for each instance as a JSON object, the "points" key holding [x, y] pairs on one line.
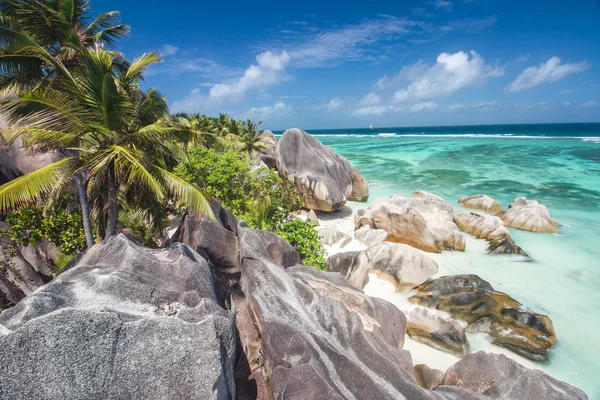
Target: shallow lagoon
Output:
{"points": [[564, 280]]}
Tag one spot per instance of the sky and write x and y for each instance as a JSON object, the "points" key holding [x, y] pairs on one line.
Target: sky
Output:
{"points": [[325, 64]]}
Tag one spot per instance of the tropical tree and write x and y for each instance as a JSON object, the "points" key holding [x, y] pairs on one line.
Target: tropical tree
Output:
{"points": [[34, 33], [117, 132], [250, 136]]}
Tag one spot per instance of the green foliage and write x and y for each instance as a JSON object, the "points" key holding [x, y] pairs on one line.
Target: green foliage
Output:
{"points": [[229, 177], [305, 239], [28, 226]]}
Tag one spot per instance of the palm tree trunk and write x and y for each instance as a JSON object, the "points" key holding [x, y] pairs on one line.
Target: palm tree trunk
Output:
{"points": [[85, 208], [113, 211]]}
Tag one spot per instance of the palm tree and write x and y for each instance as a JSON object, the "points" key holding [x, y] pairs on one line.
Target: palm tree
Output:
{"points": [[32, 32], [250, 136], [118, 131]]}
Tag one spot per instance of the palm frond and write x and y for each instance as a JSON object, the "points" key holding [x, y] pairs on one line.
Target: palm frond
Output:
{"points": [[30, 187], [190, 195]]}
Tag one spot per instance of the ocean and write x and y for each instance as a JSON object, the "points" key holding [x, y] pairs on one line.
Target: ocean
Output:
{"points": [[556, 164]]}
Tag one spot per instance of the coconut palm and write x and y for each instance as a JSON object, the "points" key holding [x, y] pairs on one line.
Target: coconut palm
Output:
{"points": [[250, 136], [116, 131], [34, 31]]}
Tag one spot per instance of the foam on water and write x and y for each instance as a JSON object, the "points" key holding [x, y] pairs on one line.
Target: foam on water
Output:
{"points": [[564, 280]]}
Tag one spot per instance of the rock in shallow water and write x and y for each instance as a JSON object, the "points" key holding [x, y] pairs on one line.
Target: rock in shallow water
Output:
{"points": [[528, 215], [321, 175], [473, 300], [423, 222], [498, 376], [489, 228], [125, 322], [481, 202]]}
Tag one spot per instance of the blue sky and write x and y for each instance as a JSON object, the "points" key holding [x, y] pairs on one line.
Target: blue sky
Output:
{"points": [[317, 64]]}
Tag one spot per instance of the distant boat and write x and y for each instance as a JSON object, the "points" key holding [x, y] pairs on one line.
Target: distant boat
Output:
{"points": [[371, 126]]}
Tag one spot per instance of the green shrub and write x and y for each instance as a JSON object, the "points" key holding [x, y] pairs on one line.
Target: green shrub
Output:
{"points": [[305, 239], [28, 226]]}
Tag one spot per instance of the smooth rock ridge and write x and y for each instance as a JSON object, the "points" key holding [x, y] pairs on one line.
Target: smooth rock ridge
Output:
{"points": [[441, 333], [490, 228], [421, 221], [481, 202], [322, 176], [119, 320], [528, 215]]}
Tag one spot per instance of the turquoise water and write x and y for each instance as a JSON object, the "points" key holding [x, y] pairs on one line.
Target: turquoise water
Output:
{"points": [[558, 165]]}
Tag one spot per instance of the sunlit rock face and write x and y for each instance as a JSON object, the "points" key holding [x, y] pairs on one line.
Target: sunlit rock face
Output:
{"points": [[528, 215], [322, 176], [421, 221]]}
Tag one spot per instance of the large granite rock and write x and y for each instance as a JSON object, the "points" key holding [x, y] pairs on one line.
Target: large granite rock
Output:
{"points": [[528, 215], [8, 169], [473, 300], [436, 331], [321, 175], [480, 202], [266, 152], [489, 228], [360, 187], [420, 221], [329, 235], [368, 236], [18, 277], [499, 377], [353, 265], [123, 322], [404, 266]]}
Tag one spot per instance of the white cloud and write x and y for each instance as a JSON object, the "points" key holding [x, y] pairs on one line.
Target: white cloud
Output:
{"points": [[370, 100], [452, 72], [550, 71], [370, 111], [269, 71], [590, 103], [335, 104], [278, 108], [441, 4], [168, 50], [430, 105]]}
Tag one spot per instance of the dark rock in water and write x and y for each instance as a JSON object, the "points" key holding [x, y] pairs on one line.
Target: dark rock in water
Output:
{"points": [[320, 174], [125, 322], [441, 333], [360, 188], [428, 378], [471, 299], [266, 153], [497, 376]]}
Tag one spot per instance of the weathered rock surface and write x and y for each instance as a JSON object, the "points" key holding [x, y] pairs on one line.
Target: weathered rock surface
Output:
{"points": [[8, 169], [480, 202], [422, 222], [124, 322], [441, 333], [360, 187], [497, 376], [321, 175], [266, 152], [330, 236], [353, 265], [528, 215], [427, 195], [368, 236], [428, 378], [404, 266], [473, 300], [489, 228]]}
